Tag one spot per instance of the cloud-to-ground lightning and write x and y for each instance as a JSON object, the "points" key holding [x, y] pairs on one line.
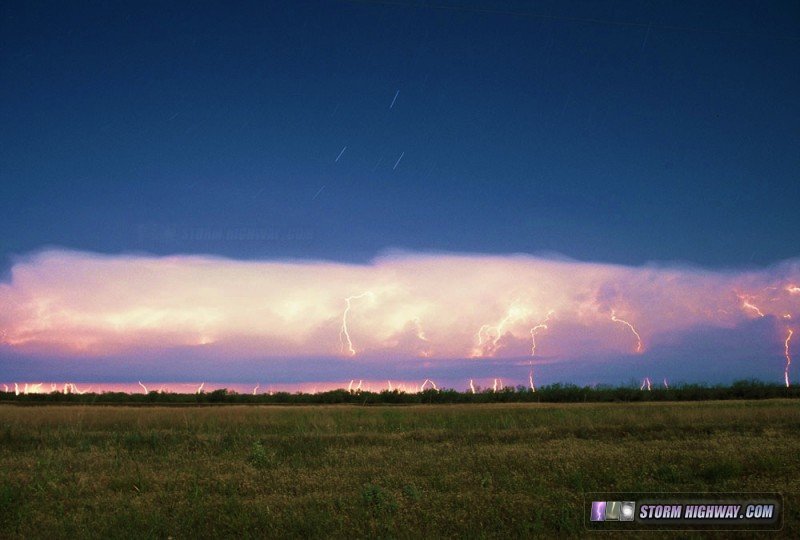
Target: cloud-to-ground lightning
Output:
{"points": [[666, 383], [340, 154], [471, 386], [426, 381], [646, 384], [530, 379], [398, 161], [78, 391], [140, 384], [395, 98], [788, 356], [639, 345], [344, 333], [255, 390], [200, 388]]}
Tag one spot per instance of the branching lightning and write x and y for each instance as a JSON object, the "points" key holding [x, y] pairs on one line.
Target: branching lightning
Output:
{"points": [[489, 336], [646, 384]]}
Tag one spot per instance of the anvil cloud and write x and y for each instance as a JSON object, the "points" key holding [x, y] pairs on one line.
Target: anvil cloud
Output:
{"points": [[66, 303]]}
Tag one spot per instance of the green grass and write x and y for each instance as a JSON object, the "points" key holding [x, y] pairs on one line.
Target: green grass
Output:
{"points": [[457, 471]]}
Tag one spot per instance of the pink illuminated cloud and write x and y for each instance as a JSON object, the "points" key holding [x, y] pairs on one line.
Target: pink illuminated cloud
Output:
{"points": [[401, 305]]}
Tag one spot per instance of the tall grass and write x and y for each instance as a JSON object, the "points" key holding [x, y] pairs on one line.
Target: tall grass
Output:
{"points": [[503, 470]]}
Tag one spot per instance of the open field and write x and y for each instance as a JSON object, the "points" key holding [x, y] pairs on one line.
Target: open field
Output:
{"points": [[499, 470]]}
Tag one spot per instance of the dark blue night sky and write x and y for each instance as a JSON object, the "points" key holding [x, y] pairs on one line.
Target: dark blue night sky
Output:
{"points": [[605, 131]]}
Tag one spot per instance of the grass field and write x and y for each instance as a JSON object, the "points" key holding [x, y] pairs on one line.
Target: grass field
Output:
{"points": [[346, 471]]}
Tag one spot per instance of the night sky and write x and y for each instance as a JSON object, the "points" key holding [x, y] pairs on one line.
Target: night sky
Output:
{"points": [[621, 133]]}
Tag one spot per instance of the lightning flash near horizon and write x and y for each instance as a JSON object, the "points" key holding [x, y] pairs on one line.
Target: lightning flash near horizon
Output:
{"points": [[788, 356]]}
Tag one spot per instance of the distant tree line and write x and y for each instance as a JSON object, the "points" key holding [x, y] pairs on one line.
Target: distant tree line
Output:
{"points": [[554, 393]]}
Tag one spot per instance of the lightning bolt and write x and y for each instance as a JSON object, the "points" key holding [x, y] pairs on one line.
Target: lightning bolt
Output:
{"points": [[471, 386], [344, 334], [256, 388], [140, 384], [433, 385], [788, 357], [16, 389], [489, 336], [666, 384], [747, 305], [200, 388], [530, 379], [645, 383], [639, 345], [75, 386], [793, 289], [390, 386], [494, 388], [541, 326]]}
